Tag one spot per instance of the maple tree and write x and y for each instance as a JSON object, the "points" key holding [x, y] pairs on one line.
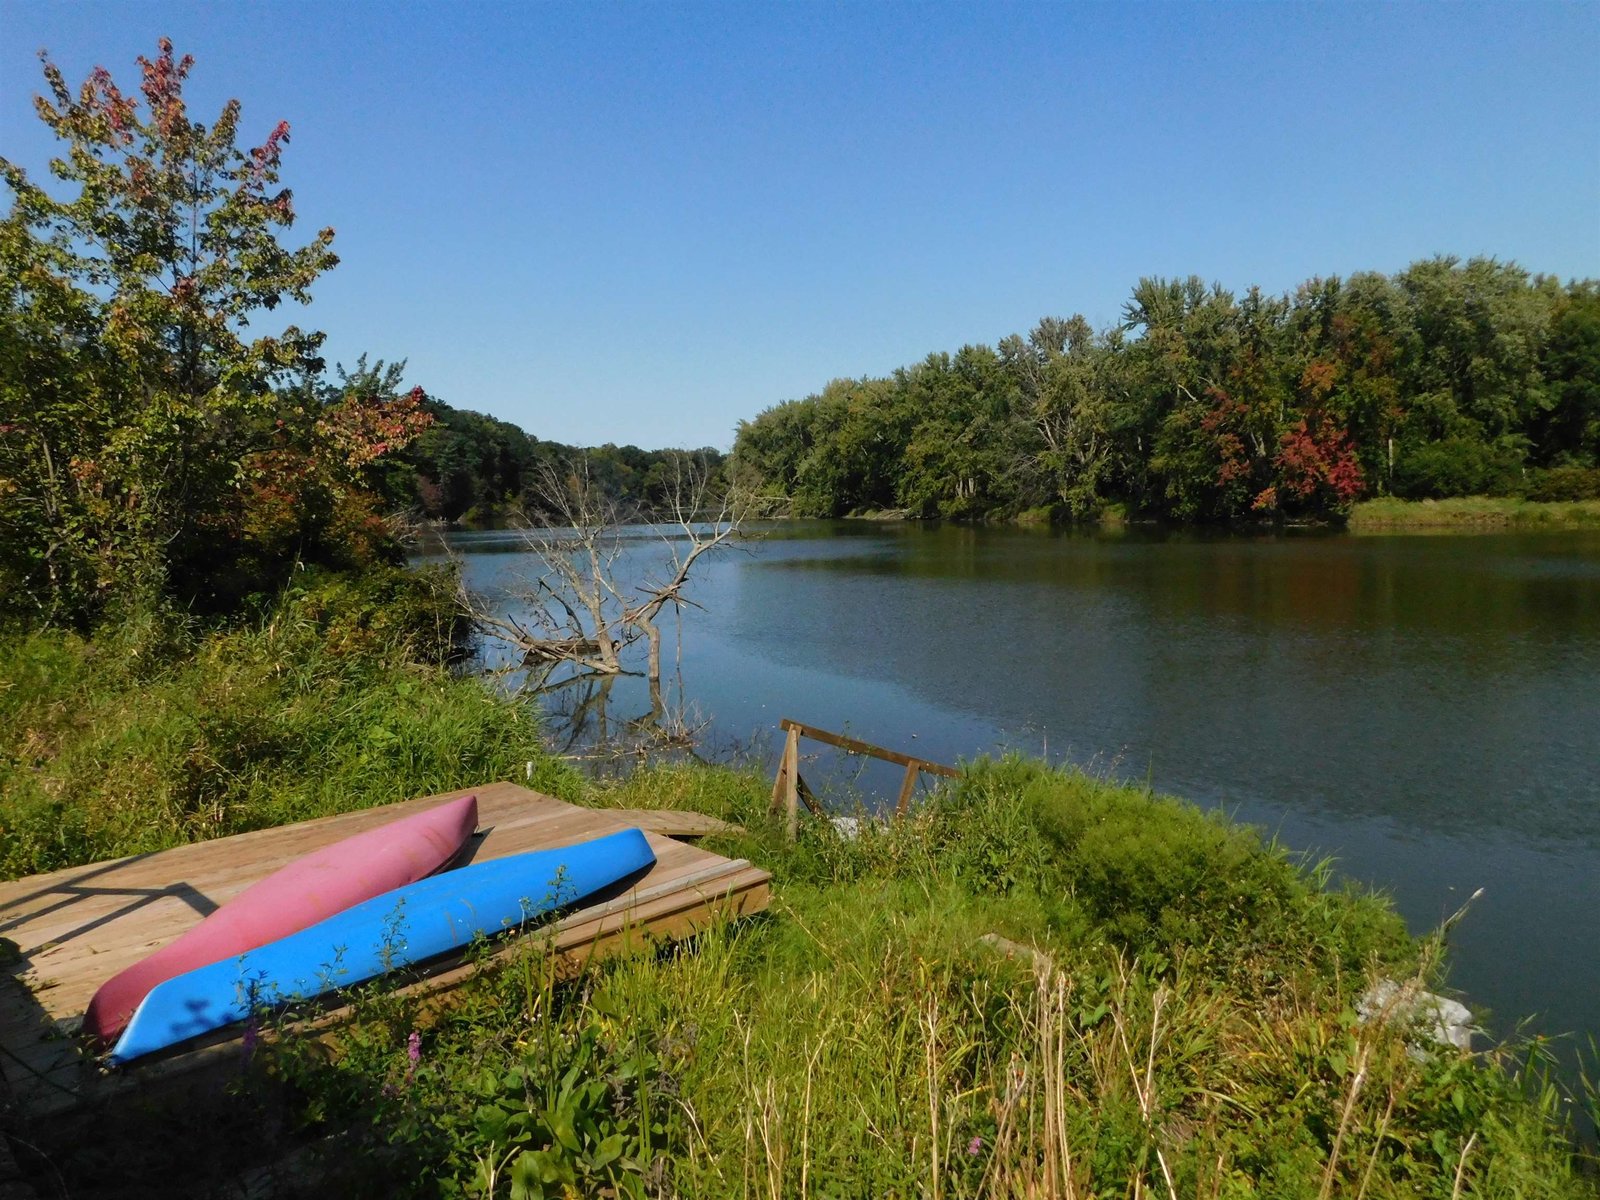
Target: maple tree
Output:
{"points": [[142, 412]]}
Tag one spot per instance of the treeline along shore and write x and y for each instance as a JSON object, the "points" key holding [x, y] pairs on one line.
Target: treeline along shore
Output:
{"points": [[1447, 379]]}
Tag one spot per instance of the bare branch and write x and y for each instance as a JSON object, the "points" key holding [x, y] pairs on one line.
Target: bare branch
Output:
{"points": [[579, 609]]}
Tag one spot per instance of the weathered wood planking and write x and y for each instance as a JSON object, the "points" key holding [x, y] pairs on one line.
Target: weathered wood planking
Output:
{"points": [[75, 928], [674, 823]]}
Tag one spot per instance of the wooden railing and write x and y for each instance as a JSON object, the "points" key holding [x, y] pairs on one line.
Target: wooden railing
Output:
{"points": [[788, 789]]}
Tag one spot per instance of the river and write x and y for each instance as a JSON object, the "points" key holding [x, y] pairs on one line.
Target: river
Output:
{"points": [[1425, 708]]}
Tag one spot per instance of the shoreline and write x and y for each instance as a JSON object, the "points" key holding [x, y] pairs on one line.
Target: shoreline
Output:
{"points": [[1486, 514], [1386, 514]]}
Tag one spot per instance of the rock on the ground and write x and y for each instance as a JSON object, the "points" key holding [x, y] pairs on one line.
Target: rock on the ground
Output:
{"points": [[1447, 1022]]}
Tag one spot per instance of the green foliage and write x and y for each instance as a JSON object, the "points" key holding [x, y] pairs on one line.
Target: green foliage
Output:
{"points": [[472, 469], [1450, 378], [154, 735], [1564, 483], [566, 1126], [1459, 466], [152, 448], [383, 613]]}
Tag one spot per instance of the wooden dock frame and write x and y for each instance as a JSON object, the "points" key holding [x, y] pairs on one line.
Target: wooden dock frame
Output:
{"points": [[789, 789], [70, 930]]}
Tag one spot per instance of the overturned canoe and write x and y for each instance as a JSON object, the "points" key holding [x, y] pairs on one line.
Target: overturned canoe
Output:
{"points": [[408, 925], [308, 890]]}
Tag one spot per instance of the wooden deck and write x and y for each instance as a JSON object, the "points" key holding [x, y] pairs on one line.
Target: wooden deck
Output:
{"points": [[63, 934]]}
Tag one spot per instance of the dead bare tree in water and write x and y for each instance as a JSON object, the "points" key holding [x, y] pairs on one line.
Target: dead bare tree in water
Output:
{"points": [[575, 610]]}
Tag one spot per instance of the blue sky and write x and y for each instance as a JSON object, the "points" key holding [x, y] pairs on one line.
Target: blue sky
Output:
{"points": [[640, 223]]}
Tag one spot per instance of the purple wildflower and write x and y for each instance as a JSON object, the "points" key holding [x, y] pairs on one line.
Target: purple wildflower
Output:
{"points": [[975, 1145], [413, 1054]]}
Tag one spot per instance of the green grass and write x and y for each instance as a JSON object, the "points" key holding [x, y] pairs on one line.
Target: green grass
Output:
{"points": [[153, 735], [1190, 1032], [1193, 1035], [1472, 513]]}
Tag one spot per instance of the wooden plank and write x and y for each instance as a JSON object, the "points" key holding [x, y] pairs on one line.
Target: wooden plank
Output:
{"points": [[807, 795], [779, 786], [674, 823], [736, 887], [856, 746], [55, 951], [74, 928]]}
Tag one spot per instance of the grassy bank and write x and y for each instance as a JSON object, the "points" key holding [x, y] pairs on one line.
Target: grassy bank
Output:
{"points": [[1470, 513], [156, 733], [1189, 1030]]}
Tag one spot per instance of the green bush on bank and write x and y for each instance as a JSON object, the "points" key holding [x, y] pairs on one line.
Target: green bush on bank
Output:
{"points": [[1564, 483], [156, 733]]}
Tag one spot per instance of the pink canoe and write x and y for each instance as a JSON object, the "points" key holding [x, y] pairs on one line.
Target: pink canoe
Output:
{"points": [[308, 890]]}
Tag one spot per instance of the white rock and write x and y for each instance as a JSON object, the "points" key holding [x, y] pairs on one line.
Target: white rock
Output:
{"points": [[849, 828], [1447, 1022]]}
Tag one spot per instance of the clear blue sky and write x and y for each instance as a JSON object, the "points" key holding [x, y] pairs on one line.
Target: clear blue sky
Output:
{"points": [[640, 223]]}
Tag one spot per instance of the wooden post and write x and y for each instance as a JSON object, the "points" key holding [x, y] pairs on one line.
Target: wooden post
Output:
{"points": [[913, 769], [791, 783]]}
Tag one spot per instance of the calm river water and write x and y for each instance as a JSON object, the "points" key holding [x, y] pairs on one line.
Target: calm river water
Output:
{"points": [[1424, 708]]}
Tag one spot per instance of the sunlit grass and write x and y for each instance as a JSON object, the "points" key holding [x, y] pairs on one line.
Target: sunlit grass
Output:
{"points": [[151, 736], [1472, 513]]}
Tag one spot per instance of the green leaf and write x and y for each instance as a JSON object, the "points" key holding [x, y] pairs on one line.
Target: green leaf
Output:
{"points": [[607, 1152]]}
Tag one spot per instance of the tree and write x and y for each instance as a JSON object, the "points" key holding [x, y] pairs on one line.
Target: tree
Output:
{"points": [[593, 594], [1570, 431], [1065, 405], [310, 488], [1446, 379], [133, 384]]}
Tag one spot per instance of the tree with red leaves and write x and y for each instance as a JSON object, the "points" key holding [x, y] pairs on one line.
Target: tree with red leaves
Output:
{"points": [[135, 386], [1317, 468]]}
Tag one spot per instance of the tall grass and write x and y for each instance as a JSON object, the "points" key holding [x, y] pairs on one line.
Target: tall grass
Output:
{"points": [[1189, 1035], [154, 734], [1472, 513]]}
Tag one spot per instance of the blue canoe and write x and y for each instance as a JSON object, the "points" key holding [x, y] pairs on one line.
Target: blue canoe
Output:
{"points": [[408, 925]]}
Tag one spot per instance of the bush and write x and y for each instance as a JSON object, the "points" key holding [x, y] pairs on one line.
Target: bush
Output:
{"points": [[1565, 483], [384, 612], [150, 737], [1459, 466], [1155, 874]]}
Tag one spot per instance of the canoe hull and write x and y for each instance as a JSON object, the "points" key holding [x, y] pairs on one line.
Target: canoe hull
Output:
{"points": [[408, 925], [308, 890]]}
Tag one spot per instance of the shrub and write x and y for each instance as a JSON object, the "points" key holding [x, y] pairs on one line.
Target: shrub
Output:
{"points": [[1459, 466], [384, 612], [153, 737], [1565, 483]]}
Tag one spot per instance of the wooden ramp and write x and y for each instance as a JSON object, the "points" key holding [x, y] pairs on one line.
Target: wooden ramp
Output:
{"points": [[65, 933]]}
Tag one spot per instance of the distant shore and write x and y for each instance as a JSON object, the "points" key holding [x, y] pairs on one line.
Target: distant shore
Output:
{"points": [[1388, 514], [1468, 513]]}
